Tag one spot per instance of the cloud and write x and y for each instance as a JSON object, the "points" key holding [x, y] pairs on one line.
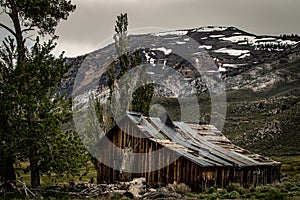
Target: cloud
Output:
{"points": [[94, 20], [73, 49]]}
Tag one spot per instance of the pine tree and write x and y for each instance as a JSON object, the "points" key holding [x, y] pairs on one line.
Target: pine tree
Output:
{"points": [[7, 148], [36, 112], [126, 61]]}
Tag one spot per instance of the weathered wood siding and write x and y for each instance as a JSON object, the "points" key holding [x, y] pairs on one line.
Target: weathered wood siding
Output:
{"points": [[182, 170]]}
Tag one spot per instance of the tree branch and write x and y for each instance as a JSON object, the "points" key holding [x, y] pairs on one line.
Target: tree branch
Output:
{"points": [[30, 38], [8, 29], [28, 29]]}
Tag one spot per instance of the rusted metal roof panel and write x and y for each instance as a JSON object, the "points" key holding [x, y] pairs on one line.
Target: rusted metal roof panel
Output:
{"points": [[202, 144], [213, 135], [224, 153], [176, 137], [140, 120], [183, 151]]}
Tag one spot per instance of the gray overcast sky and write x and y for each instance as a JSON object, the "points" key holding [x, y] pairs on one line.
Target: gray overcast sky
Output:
{"points": [[94, 20]]}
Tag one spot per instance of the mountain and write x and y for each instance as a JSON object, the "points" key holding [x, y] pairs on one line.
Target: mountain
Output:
{"points": [[260, 75]]}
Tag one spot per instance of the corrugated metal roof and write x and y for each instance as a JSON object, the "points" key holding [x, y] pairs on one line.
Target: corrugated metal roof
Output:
{"points": [[239, 160], [213, 135], [175, 135], [202, 144], [183, 151]]}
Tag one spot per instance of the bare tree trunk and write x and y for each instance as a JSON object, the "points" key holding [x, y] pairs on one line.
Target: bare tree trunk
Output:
{"points": [[33, 155], [34, 168], [18, 34], [7, 170]]}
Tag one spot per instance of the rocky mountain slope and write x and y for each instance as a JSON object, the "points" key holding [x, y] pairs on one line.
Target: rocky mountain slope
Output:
{"points": [[261, 75]]}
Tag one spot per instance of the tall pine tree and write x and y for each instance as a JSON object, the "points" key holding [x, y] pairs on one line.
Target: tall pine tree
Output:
{"points": [[126, 60], [34, 114]]}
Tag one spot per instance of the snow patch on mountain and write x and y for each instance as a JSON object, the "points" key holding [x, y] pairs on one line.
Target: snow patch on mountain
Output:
{"points": [[228, 47], [260, 42], [222, 69], [211, 29], [245, 55], [288, 42], [230, 65], [232, 52], [171, 33], [239, 38], [163, 49], [265, 39], [179, 42], [205, 47], [216, 36]]}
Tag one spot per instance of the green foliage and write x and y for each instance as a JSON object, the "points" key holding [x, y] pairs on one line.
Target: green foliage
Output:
{"points": [[44, 15], [118, 68], [104, 116], [270, 193], [32, 113], [288, 188], [7, 97], [211, 190], [235, 187], [120, 38], [142, 98], [248, 112], [234, 195], [36, 114], [111, 71]]}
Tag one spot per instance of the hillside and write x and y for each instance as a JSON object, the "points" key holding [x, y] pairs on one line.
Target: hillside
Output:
{"points": [[260, 73]]}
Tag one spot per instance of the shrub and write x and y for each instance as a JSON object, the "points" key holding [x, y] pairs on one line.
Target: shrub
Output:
{"points": [[211, 190], [247, 196], [213, 196], [234, 195], [263, 189], [235, 187], [252, 189], [209, 196], [270, 194], [287, 186], [275, 194], [221, 191]]}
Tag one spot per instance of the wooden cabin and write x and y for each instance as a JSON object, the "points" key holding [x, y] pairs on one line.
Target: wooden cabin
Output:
{"points": [[163, 151]]}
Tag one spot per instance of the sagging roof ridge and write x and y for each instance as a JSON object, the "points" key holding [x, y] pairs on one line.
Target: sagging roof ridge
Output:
{"points": [[216, 155]]}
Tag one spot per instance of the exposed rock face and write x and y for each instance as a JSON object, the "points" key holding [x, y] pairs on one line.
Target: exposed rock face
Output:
{"points": [[190, 61], [260, 75], [270, 130]]}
